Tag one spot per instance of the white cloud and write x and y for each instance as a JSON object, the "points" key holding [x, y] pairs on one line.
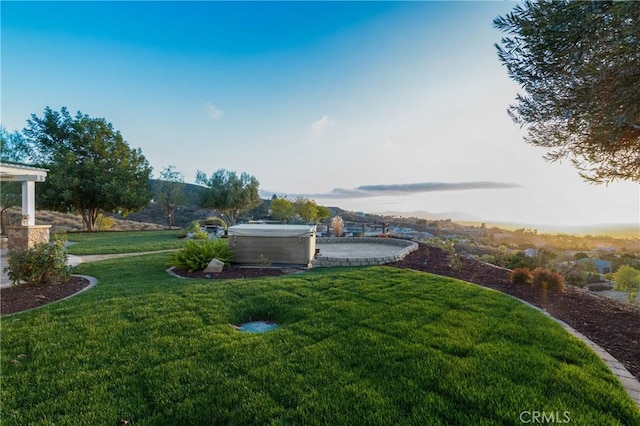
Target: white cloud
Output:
{"points": [[367, 191], [318, 127], [214, 111]]}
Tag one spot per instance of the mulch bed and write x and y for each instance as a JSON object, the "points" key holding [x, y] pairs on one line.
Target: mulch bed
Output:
{"points": [[24, 297], [613, 325]]}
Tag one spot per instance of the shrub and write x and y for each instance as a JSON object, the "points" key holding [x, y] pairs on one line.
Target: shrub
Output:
{"points": [[521, 276], [45, 263], [104, 223], [196, 255], [627, 278], [544, 278], [194, 226], [199, 235], [338, 225], [215, 221]]}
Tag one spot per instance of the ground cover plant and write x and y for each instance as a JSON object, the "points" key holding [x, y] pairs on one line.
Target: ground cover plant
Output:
{"points": [[196, 255], [123, 242], [373, 345]]}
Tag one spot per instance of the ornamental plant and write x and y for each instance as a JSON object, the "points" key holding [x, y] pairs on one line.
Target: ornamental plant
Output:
{"points": [[196, 255], [627, 278], [545, 278], [215, 221], [338, 225], [521, 276], [45, 263]]}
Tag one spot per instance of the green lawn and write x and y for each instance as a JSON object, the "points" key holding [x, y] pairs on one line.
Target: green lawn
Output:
{"points": [[367, 346], [123, 242]]}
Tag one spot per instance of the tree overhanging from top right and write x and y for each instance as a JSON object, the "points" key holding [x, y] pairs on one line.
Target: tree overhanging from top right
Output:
{"points": [[579, 65]]}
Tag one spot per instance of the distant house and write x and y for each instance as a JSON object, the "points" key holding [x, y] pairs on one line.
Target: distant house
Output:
{"points": [[602, 266]]}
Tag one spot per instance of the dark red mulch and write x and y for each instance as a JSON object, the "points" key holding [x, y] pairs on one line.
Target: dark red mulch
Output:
{"points": [[21, 298], [613, 325]]}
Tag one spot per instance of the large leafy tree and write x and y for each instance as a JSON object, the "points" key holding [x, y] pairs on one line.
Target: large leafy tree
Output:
{"points": [[13, 149], [310, 211], [579, 64], [282, 209], [169, 193], [229, 193], [91, 167]]}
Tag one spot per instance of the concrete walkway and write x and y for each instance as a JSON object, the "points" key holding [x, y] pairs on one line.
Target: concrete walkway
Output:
{"points": [[72, 260]]}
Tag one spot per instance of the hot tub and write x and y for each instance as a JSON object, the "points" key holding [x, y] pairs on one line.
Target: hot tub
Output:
{"points": [[257, 244]]}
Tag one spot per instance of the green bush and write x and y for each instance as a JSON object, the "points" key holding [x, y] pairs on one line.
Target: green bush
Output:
{"points": [[45, 263], [194, 226], [196, 255], [215, 221], [199, 235], [544, 278], [627, 278], [104, 223], [521, 276]]}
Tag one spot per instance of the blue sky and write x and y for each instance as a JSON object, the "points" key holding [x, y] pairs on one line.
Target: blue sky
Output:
{"points": [[321, 99]]}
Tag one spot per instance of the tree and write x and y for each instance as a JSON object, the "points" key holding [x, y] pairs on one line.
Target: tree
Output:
{"points": [[627, 278], [91, 167], [169, 193], [310, 211], [13, 149], [322, 213], [579, 64], [282, 209], [307, 209], [229, 193]]}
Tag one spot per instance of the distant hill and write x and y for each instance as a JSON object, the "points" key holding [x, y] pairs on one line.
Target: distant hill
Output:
{"points": [[421, 214], [618, 230]]}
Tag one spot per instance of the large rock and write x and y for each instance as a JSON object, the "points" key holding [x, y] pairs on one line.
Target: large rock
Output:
{"points": [[214, 266]]}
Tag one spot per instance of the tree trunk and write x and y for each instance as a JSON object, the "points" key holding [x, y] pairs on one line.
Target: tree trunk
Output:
{"points": [[89, 219], [3, 225]]}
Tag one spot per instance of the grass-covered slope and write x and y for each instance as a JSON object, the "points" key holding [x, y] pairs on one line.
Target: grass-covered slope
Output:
{"points": [[356, 346]]}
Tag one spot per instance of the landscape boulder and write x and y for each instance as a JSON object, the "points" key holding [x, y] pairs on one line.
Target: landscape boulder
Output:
{"points": [[214, 267]]}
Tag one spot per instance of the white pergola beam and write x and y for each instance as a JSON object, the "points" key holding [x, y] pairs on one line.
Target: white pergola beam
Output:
{"points": [[28, 175], [22, 178]]}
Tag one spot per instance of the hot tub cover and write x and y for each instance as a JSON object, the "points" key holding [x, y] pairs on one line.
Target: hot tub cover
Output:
{"points": [[260, 230]]}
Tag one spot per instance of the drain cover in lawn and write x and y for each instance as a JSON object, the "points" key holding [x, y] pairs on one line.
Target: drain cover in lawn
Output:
{"points": [[258, 326]]}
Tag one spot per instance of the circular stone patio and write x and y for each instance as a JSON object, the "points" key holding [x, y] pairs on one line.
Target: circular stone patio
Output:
{"points": [[361, 251]]}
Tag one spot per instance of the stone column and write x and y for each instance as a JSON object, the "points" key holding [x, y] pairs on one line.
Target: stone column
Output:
{"points": [[23, 237]]}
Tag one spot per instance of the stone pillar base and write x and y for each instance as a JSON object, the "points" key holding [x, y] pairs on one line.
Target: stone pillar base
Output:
{"points": [[23, 237]]}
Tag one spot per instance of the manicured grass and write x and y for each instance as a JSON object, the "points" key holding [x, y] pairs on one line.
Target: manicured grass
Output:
{"points": [[123, 242], [356, 346]]}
